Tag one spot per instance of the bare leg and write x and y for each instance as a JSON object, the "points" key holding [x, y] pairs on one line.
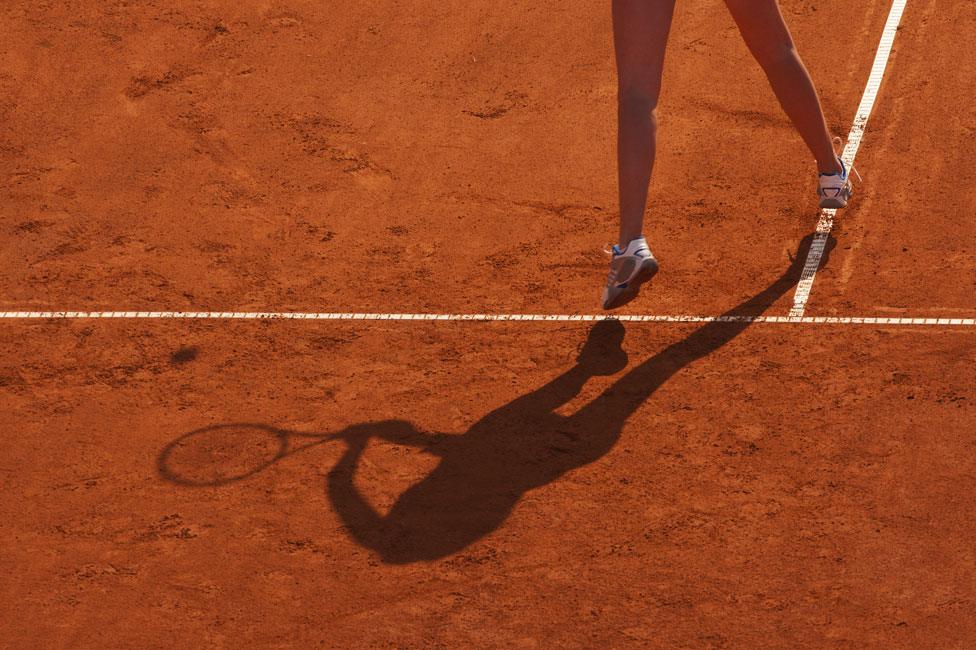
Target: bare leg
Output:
{"points": [[640, 31], [769, 40]]}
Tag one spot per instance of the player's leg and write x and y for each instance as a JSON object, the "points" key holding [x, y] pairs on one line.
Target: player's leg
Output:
{"points": [[640, 29], [768, 38]]}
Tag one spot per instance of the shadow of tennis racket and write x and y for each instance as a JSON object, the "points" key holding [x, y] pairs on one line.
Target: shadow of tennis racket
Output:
{"points": [[225, 453]]}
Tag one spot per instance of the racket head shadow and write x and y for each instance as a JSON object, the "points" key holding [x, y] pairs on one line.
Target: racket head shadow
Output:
{"points": [[222, 453]]}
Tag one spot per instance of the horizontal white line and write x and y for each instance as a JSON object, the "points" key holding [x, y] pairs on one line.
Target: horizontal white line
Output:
{"points": [[558, 318]]}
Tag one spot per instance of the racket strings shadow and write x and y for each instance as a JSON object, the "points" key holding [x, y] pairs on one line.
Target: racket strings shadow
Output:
{"points": [[483, 473]]}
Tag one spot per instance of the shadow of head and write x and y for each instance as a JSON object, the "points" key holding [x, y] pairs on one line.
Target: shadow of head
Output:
{"points": [[601, 353]]}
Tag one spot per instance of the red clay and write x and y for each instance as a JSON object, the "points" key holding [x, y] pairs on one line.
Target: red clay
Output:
{"points": [[463, 484]]}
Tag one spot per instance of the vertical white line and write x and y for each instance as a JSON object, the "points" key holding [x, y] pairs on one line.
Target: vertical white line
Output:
{"points": [[826, 222]]}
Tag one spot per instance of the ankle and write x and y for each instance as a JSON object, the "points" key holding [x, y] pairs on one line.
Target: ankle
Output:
{"points": [[830, 167], [626, 239]]}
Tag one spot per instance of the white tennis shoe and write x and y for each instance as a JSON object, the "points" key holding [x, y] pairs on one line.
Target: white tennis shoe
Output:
{"points": [[835, 190], [629, 269]]}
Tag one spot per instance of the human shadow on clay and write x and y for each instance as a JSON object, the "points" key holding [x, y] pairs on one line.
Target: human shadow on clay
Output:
{"points": [[525, 444]]}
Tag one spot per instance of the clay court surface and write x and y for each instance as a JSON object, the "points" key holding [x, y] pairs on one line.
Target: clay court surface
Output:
{"points": [[224, 483]]}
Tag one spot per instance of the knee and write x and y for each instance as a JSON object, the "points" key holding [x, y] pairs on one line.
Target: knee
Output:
{"points": [[775, 55], [637, 101]]}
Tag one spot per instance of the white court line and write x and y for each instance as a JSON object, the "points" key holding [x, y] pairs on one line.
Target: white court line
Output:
{"points": [[826, 222], [558, 318]]}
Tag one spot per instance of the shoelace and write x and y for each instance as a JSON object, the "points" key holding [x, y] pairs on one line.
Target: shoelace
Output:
{"points": [[608, 250], [837, 142]]}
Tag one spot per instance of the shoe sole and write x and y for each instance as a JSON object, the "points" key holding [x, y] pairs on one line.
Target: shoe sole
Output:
{"points": [[633, 288], [833, 204]]}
